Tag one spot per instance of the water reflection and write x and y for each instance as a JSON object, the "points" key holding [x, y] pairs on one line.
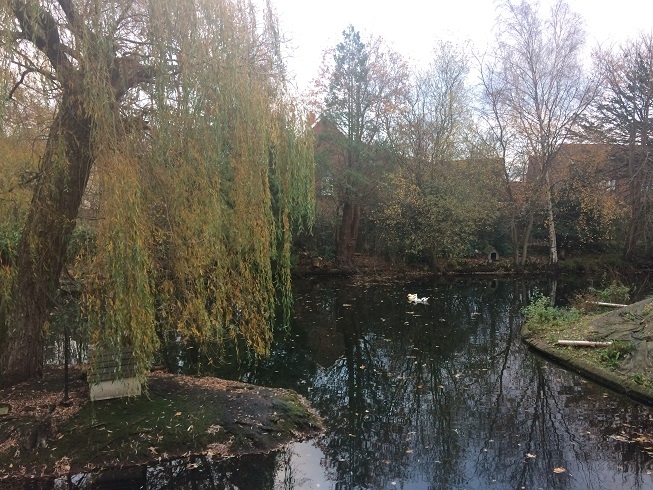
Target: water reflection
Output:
{"points": [[441, 395], [445, 395], [246, 472]]}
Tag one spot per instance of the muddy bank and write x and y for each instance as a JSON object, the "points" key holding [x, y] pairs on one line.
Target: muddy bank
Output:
{"points": [[372, 269], [626, 366], [44, 435]]}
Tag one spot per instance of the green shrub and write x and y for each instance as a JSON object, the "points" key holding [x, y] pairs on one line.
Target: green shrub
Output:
{"points": [[614, 293], [82, 242], [9, 240], [617, 352], [540, 313]]}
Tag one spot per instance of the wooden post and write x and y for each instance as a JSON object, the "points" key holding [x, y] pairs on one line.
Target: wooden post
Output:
{"points": [[611, 305], [584, 343]]}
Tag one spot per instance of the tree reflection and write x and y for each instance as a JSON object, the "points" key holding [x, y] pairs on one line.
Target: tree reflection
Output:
{"points": [[443, 395], [196, 473], [447, 395]]}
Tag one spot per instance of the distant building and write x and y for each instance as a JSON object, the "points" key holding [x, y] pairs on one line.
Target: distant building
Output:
{"points": [[595, 162]]}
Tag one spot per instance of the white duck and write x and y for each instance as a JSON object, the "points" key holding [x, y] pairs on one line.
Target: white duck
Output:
{"points": [[413, 298]]}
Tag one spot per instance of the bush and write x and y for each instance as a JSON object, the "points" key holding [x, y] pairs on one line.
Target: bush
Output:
{"points": [[9, 240], [614, 293], [616, 353], [540, 313]]}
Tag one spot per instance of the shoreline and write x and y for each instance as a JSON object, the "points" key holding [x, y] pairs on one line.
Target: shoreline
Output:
{"points": [[178, 416], [626, 368]]}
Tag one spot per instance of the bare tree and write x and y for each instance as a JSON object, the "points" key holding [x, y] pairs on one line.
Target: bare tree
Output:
{"points": [[540, 91], [623, 118], [430, 208], [498, 140], [433, 126]]}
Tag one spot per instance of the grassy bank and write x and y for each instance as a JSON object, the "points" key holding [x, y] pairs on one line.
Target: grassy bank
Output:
{"points": [[623, 366]]}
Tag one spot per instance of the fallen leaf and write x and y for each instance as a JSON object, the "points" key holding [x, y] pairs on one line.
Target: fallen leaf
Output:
{"points": [[559, 470], [213, 429], [529, 455], [177, 414]]}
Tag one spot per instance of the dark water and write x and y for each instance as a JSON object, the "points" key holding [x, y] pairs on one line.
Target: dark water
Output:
{"points": [[437, 396]]}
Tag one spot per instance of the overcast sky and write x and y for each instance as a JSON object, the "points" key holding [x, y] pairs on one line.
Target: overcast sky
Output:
{"points": [[411, 27]]}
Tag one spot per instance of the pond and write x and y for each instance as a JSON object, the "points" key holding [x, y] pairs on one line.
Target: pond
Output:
{"points": [[430, 396]]}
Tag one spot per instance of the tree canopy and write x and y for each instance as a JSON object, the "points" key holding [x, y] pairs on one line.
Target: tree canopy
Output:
{"points": [[623, 117], [537, 92], [172, 128]]}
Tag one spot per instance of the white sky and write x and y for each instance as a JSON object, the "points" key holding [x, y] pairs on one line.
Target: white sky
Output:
{"points": [[411, 27]]}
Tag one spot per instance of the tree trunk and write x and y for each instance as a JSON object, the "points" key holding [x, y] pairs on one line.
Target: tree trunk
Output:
{"points": [[64, 172], [634, 205], [632, 235], [347, 234], [526, 239], [514, 240], [553, 242]]}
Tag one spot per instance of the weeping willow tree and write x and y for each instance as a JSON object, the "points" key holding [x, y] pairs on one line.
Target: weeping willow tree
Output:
{"points": [[172, 124]]}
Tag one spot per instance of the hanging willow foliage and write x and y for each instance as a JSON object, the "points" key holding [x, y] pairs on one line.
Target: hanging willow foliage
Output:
{"points": [[201, 171]]}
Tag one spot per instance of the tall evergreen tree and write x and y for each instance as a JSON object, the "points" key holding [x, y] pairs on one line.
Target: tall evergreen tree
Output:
{"points": [[366, 85], [348, 106]]}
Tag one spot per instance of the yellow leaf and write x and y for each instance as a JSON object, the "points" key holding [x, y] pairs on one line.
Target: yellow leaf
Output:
{"points": [[559, 470]]}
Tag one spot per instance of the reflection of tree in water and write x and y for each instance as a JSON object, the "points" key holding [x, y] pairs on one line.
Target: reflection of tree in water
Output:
{"points": [[536, 420], [443, 395], [392, 400], [446, 393], [196, 473]]}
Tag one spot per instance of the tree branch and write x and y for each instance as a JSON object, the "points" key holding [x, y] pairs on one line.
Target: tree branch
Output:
{"points": [[128, 72], [18, 83], [68, 10], [41, 29]]}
